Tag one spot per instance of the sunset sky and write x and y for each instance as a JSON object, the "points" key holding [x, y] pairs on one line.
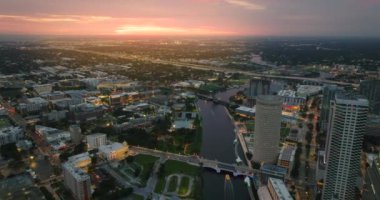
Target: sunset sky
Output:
{"points": [[191, 17]]}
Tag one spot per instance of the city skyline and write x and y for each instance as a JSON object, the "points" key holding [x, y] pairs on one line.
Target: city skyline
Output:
{"points": [[191, 17]]}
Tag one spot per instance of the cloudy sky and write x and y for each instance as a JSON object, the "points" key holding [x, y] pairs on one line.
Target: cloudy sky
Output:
{"points": [[191, 17]]}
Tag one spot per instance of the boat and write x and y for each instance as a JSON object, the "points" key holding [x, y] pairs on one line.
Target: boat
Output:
{"points": [[235, 141], [238, 160], [227, 177]]}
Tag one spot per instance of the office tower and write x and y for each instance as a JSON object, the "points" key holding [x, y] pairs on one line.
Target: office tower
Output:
{"points": [[257, 87], [96, 140], [75, 133], [328, 95], [347, 123], [267, 129], [371, 90], [77, 181]]}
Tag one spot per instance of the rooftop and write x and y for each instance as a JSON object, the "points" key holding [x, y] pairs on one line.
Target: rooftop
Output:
{"points": [[280, 188], [111, 147], [351, 99], [287, 153], [77, 173]]}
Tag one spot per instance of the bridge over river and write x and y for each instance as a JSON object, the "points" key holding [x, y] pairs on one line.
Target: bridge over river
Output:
{"points": [[236, 170]]}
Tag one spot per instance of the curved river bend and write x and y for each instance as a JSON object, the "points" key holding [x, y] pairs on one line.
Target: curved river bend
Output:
{"points": [[217, 143]]}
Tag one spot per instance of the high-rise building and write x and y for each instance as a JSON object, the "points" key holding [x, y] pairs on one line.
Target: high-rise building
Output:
{"points": [[267, 129], [346, 127], [257, 87], [75, 133], [96, 140], [371, 90], [77, 180], [328, 95]]}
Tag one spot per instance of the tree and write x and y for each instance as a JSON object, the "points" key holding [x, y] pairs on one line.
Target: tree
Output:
{"points": [[249, 155], [16, 165], [9, 151]]}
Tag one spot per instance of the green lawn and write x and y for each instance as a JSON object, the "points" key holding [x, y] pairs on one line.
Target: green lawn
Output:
{"points": [[176, 167], [147, 162], [285, 132], [211, 87], [184, 185], [4, 122], [173, 166], [250, 125], [173, 184]]}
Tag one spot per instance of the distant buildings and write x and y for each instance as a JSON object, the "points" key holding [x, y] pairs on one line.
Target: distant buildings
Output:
{"points": [[10, 134], [348, 118], [57, 139], [267, 129], [45, 88], [33, 105], [75, 133], [371, 89], [96, 140], [257, 87], [75, 177], [306, 91], [114, 151], [85, 112]]}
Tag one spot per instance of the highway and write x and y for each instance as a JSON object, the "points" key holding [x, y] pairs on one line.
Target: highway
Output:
{"points": [[207, 67]]}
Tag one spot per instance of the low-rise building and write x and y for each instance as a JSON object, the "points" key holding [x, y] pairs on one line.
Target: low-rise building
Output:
{"points": [[278, 190], [55, 115], [33, 105], [85, 112], [286, 158], [246, 111], [10, 134], [57, 139], [263, 193], [114, 151], [308, 90], [290, 100], [44, 88], [96, 140], [186, 124]]}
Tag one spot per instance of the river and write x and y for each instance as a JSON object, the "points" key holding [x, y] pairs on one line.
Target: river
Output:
{"points": [[217, 143]]}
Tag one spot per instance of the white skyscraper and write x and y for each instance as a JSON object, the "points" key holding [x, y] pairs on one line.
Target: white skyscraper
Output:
{"points": [[77, 180], [347, 123], [267, 128]]}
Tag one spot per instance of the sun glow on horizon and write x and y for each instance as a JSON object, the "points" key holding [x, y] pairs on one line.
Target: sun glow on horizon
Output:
{"points": [[160, 30]]}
